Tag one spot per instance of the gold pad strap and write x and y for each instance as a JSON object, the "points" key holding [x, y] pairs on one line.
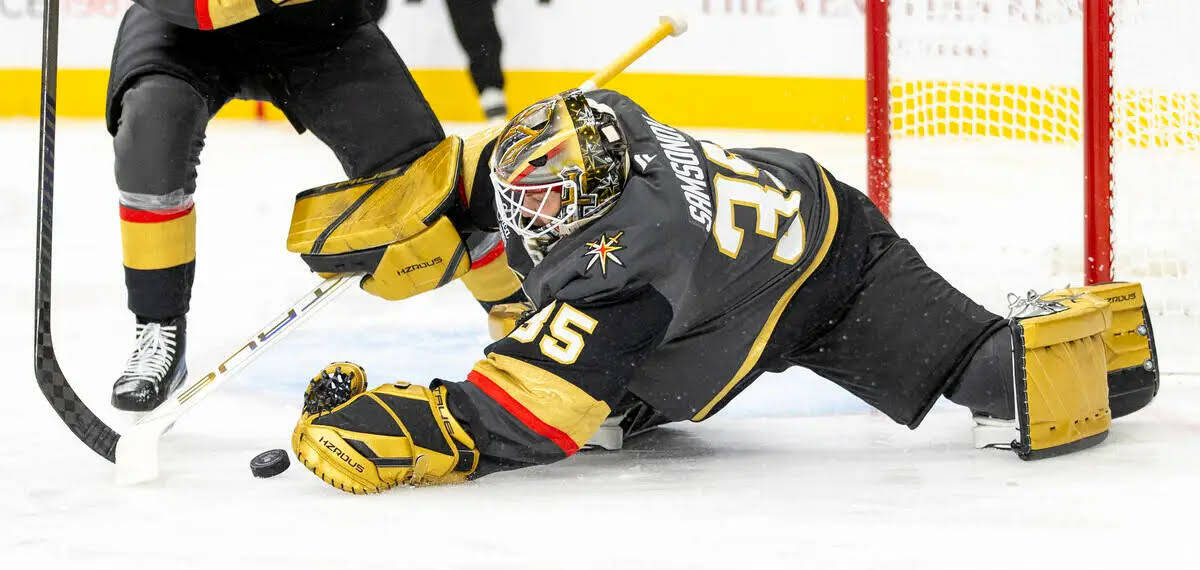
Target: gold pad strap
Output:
{"points": [[1125, 344], [1129, 345]]}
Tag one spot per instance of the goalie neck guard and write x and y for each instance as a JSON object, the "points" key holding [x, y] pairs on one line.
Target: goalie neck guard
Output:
{"points": [[564, 146]]}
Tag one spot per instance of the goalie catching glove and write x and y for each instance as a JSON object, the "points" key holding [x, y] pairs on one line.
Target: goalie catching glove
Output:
{"points": [[364, 441]]}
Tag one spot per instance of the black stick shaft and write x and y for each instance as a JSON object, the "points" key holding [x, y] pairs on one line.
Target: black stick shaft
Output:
{"points": [[82, 422]]}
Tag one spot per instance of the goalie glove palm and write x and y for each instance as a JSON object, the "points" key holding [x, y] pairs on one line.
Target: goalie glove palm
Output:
{"points": [[396, 434]]}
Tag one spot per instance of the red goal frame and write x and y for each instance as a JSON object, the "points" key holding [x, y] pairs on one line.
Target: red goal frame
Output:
{"points": [[1097, 127]]}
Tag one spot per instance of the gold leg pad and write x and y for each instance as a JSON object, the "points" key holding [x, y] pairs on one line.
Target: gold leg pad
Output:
{"points": [[1126, 340], [1062, 386]]}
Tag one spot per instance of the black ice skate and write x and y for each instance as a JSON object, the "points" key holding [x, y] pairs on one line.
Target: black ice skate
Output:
{"points": [[155, 369]]}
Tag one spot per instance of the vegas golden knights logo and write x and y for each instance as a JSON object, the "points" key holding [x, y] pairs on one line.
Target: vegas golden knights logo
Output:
{"points": [[603, 250]]}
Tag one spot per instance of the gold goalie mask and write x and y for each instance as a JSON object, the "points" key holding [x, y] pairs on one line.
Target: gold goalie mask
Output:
{"points": [[558, 164]]}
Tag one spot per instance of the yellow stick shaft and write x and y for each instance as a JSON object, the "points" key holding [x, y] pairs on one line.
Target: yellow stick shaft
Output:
{"points": [[667, 26]]}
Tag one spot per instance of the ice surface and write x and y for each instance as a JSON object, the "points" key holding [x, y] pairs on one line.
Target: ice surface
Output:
{"points": [[794, 474]]}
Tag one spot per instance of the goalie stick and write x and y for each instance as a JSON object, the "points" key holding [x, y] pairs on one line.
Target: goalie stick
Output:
{"points": [[136, 452]]}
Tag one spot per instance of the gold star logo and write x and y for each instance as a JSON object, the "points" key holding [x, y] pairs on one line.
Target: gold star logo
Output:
{"points": [[602, 250]]}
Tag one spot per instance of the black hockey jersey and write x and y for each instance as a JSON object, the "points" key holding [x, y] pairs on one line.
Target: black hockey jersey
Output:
{"points": [[267, 18], [670, 296]]}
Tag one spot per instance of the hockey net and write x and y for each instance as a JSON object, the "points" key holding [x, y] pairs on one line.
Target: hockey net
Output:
{"points": [[997, 138]]}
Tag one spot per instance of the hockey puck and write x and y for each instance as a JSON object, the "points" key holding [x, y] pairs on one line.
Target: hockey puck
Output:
{"points": [[270, 463]]}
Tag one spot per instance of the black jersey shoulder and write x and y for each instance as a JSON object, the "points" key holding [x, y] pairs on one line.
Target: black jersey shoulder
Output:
{"points": [[267, 19], [622, 251], [665, 157], [659, 223]]}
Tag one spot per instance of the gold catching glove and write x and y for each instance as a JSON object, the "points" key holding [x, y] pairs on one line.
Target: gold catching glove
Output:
{"points": [[368, 441]]}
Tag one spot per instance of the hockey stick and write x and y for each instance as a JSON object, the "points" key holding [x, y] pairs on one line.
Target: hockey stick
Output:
{"points": [[137, 450], [91, 430], [139, 446], [673, 25]]}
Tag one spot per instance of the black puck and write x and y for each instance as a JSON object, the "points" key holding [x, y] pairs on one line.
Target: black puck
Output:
{"points": [[270, 463]]}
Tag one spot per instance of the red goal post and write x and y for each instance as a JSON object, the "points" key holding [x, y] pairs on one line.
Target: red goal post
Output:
{"points": [[1097, 141]]}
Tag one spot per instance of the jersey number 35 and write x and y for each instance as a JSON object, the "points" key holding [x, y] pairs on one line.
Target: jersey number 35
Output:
{"points": [[564, 341], [768, 200]]}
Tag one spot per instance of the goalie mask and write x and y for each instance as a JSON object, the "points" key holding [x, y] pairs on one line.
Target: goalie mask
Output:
{"points": [[557, 165]]}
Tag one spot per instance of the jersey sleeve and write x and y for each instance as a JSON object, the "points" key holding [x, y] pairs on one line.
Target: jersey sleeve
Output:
{"points": [[210, 14], [489, 279], [540, 393]]}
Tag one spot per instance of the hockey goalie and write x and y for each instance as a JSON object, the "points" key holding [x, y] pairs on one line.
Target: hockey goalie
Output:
{"points": [[663, 275]]}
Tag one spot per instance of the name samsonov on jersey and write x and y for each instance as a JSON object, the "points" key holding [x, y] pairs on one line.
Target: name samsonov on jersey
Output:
{"points": [[687, 169]]}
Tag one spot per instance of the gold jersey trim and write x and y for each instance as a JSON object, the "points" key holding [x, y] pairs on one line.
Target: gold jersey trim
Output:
{"points": [[555, 401]]}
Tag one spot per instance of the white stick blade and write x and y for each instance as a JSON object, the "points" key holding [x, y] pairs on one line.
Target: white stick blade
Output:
{"points": [[137, 453]]}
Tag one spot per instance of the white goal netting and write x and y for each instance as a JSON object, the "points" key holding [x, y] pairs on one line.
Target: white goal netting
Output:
{"points": [[987, 148]]}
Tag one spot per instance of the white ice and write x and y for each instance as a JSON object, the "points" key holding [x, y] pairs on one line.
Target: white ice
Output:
{"points": [[794, 474]]}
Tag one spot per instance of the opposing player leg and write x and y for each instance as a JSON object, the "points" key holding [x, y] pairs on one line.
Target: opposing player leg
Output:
{"points": [[159, 105], [157, 147], [359, 98]]}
